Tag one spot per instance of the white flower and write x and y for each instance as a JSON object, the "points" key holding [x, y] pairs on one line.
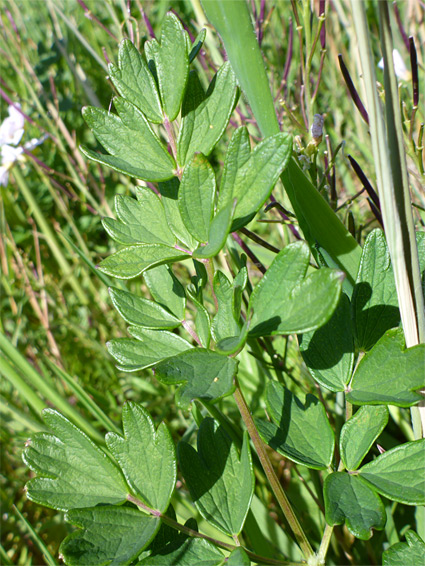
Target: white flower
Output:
{"points": [[400, 69], [11, 132], [12, 127], [317, 127]]}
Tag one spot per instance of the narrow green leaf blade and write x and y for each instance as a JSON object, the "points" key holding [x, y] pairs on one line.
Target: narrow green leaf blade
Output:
{"points": [[134, 260], [133, 146], [172, 65], [349, 500], [134, 81], [197, 44], [286, 302], [109, 535], [205, 116], [375, 304], [215, 474], [142, 312], [389, 374], [196, 196], [146, 456], [329, 351], [360, 432], [203, 373], [149, 347], [224, 324], [299, 432], [166, 289], [74, 471], [169, 192], [410, 552], [399, 473]]}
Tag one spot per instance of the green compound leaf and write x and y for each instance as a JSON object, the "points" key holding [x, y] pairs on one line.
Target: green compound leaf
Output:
{"points": [[328, 352], [224, 324], [140, 221], [203, 373], [410, 552], [134, 81], [238, 558], [218, 232], [135, 150], [205, 115], [301, 433], [172, 65], [349, 500], [389, 374], [109, 535], [399, 473], [215, 474], [250, 177], [142, 312], [146, 456], [166, 289], [196, 196], [360, 432], [150, 347], [185, 552], [375, 304], [74, 471], [134, 260], [169, 192], [285, 301]]}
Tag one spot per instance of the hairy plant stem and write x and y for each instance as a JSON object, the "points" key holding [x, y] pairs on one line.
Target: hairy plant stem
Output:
{"points": [[280, 495], [195, 534]]}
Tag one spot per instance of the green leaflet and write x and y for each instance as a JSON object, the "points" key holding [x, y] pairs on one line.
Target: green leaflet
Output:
{"points": [[146, 456], [166, 289], [205, 115], [134, 81], [374, 302], [238, 558], [360, 432], [250, 177], [109, 535], [196, 196], [224, 324], [301, 433], [203, 373], [349, 500], [184, 551], [135, 150], [410, 552], [329, 351], [197, 44], [202, 320], [215, 474], [169, 192], [399, 473], [389, 374], [171, 64], [74, 471], [218, 232], [142, 312], [285, 301], [134, 260], [150, 347]]}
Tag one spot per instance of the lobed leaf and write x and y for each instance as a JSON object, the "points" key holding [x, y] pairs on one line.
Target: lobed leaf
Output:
{"points": [[390, 373], [74, 471], [134, 81], [398, 473], [299, 432], [285, 301], [360, 432], [410, 552], [204, 374], [146, 456], [349, 500], [109, 535], [135, 149], [220, 482]]}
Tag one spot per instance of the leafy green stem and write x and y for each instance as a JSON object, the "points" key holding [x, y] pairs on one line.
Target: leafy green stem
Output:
{"points": [[195, 534], [280, 495]]}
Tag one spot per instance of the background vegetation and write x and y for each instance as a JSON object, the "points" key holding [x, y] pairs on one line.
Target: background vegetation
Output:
{"points": [[55, 310]]}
